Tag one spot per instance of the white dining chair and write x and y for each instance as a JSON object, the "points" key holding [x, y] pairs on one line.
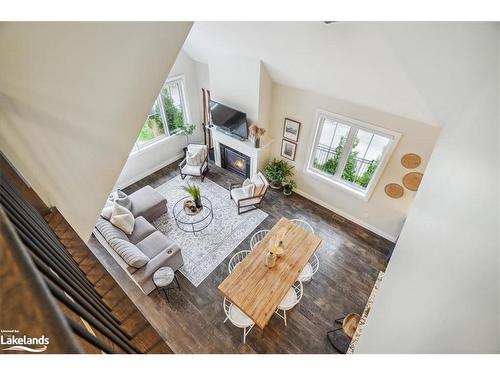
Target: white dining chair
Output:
{"points": [[257, 237], [237, 259], [238, 318], [310, 269], [291, 299], [304, 224]]}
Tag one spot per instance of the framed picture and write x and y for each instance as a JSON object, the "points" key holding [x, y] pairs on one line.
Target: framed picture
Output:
{"points": [[288, 149], [291, 130]]}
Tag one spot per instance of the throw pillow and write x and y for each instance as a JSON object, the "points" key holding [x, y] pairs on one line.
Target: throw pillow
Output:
{"points": [[123, 200], [130, 253], [107, 210], [248, 190], [246, 182], [122, 218], [259, 184], [193, 158]]}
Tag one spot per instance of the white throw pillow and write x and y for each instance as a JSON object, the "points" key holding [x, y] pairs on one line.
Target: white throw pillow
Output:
{"points": [[259, 184], [246, 182], [107, 210], [193, 158], [122, 218], [248, 190]]}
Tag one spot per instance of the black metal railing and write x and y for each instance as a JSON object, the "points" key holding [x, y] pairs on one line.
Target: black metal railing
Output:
{"points": [[55, 268], [326, 153]]}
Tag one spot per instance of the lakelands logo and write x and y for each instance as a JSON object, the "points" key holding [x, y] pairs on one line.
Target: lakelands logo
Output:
{"points": [[16, 342]]}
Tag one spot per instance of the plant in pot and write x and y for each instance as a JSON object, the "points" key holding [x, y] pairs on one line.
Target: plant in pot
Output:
{"points": [[186, 130], [277, 172], [256, 133], [288, 186], [195, 192]]}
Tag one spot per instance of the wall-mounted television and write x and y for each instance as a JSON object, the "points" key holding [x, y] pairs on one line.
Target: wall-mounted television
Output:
{"points": [[229, 120]]}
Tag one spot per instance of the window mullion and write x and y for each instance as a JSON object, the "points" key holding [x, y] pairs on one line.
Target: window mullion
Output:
{"points": [[163, 115], [345, 152]]}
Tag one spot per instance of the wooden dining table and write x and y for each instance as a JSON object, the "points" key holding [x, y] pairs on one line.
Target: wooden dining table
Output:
{"points": [[258, 290]]}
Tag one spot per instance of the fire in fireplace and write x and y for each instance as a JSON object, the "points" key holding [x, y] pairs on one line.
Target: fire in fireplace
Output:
{"points": [[235, 161]]}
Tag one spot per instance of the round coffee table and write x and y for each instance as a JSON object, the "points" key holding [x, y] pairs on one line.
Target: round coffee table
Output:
{"points": [[193, 222]]}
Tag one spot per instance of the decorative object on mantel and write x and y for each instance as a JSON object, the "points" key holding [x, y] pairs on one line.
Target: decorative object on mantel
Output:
{"points": [[291, 130], [277, 172], [256, 133], [195, 192], [394, 190], [288, 149], [288, 186], [411, 181], [411, 161]]}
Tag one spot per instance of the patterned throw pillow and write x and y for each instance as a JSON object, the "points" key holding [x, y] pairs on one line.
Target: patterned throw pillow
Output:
{"points": [[193, 158], [248, 190]]}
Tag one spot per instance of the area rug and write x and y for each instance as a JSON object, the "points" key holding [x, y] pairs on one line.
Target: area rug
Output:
{"points": [[204, 251]]}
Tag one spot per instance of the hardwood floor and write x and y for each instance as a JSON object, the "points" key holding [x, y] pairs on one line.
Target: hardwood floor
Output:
{"points": [[350, 260]]}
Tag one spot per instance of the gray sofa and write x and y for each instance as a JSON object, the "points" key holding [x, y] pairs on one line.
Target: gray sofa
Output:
{"points": [[147, 204]]}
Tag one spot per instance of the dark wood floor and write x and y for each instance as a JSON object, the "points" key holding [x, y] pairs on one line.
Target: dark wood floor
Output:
{"points": [[350, 260]]}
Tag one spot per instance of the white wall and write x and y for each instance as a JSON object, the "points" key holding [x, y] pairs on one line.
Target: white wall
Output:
{"points": [[440, 293], [235, 82], [381, 214], [164, 152], [73, 97], [265, 99]]}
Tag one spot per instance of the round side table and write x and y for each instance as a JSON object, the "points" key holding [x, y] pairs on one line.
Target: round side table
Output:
{"points": [[163, 278]]}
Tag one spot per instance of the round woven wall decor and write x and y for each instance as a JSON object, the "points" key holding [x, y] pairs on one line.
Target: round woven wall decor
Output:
{"points": [[394, 190], [411, 181], [411, 161]]}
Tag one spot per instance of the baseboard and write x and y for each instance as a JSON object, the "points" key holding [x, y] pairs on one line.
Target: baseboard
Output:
{"points": [[349, 217], [148, 172]]}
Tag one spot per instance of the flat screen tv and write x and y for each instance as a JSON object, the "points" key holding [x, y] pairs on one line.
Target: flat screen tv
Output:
{"points": [[229, 120]]}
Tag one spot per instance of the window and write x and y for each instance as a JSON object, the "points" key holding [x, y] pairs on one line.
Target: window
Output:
{"points": [[350, 153], [168, 114]]}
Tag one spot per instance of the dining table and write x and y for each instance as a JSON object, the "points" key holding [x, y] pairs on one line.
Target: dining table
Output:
{"points": [[258, 290]]}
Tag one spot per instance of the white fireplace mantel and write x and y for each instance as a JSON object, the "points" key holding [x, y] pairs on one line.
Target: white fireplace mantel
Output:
{"points": [[258, 156]]}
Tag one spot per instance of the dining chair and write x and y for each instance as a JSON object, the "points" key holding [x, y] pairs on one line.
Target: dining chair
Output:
{"points": [[304, 224], [291, 299], [257, 237], [310, 269], [238, 318], [237, 259]]}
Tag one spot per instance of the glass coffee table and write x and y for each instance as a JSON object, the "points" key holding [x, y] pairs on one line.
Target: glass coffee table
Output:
{"points": [[193, 222]]}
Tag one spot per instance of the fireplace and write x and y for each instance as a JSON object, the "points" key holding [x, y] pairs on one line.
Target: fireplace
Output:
{"points": [[235, 161]]}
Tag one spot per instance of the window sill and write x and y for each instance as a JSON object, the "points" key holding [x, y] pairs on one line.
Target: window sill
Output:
{"points": [[363, 195], [152, 145]]}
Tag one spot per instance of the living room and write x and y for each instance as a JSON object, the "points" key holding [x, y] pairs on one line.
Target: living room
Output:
{"points": [[273, 231], [361, 214]]}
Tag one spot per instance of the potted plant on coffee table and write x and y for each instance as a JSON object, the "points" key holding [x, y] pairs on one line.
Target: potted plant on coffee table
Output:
{"points": [[277, 172], [195, 192], [288, 186]]}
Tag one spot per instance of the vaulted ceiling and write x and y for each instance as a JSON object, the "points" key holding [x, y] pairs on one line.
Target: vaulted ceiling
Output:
{"points": [[418, 70]]}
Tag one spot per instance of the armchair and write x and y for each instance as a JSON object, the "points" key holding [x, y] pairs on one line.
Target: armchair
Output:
{"points": [[247, 203], [195, 163]]}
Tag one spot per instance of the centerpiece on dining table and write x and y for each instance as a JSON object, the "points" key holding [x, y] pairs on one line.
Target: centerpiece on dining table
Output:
{"points": [[276, 250]]}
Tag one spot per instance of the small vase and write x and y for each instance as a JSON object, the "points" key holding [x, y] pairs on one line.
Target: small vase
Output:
{"points": [[256, 142], [198, 203], [270, 259]]}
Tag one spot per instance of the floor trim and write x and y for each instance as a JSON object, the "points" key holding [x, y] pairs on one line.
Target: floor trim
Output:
{"points": [[140, 176], [344, 214]]}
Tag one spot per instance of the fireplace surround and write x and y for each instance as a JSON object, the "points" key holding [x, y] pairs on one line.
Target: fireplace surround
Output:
{"points": [[235, 161]]}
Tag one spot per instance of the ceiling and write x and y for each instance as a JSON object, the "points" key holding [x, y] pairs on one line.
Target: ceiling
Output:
{"points": [[420, 70]]}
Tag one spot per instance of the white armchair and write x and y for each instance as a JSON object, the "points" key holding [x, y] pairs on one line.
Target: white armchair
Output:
{"points": [[249, 195], [196, 161]]}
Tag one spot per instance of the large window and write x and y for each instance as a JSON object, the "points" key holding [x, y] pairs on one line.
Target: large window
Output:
{"points": [[350, 153], [168, 114]]}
